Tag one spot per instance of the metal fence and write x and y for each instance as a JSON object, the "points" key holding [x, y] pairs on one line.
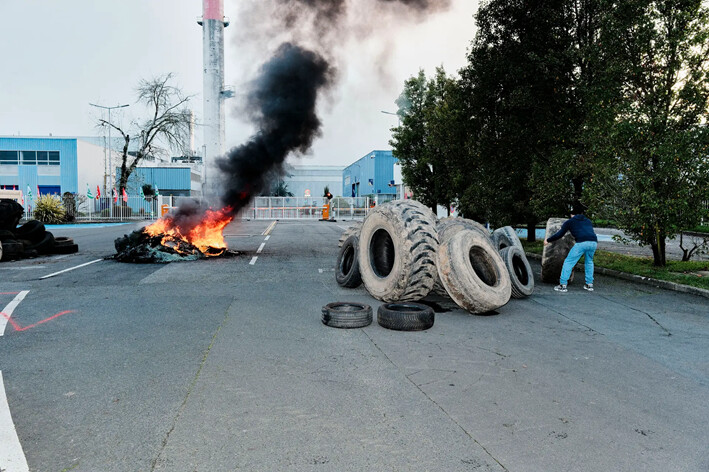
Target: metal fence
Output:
{"points": [[81, 208]]}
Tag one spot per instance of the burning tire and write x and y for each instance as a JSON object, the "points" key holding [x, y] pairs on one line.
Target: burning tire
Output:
{"points": [[397, 250], [506, 237], [346, 315], [554, 253], [33, 231], [521, 275], [473, 273], [355, 229], [347, 268], [405, 316]]}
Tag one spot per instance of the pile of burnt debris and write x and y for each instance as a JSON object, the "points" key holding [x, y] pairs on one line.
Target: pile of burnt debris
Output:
{"points": [[30, 239], [141, 247]]}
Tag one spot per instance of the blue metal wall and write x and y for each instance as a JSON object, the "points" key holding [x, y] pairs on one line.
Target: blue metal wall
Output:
{"points": [[371, 174], [26, 175], [166, 179]]}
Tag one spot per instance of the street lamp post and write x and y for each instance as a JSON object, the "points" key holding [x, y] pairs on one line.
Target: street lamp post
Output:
{"points": [[110, 152], [395, 114]]}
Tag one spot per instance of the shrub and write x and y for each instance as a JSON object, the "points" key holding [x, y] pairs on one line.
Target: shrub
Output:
{"points": [[49, 209]]}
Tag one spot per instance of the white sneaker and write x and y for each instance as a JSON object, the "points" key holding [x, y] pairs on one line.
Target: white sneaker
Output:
{"points": [[588, 287], [561, 288]]}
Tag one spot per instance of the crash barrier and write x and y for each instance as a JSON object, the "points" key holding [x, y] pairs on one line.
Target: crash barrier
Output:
{"points": [[401, 252], [308, 208]]}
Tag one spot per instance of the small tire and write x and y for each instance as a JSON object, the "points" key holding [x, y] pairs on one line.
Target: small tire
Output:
{"points": [[521, 275], [65, 249], [405, 316], [555, 253], [346, 315], [506, 237], [473, 273], [33, 231], [355, 229], [347, 267], [44, 245], [63, 241], [397, 251]]}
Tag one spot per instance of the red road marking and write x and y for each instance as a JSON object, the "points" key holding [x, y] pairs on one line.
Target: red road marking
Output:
{"points": [[25, 328]]}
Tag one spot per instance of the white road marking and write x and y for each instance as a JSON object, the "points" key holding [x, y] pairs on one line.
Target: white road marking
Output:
{"points": [[269, 229], [12, 457], [267, 237], [253, 260], [260, 248], [70, 268], [8, 311]]}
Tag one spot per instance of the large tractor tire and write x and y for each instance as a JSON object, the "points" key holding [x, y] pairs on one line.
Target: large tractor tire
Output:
{"points": [[473, 272], [521, 275], [555, 252], [447, 227], [353, 230], [397, 251]]}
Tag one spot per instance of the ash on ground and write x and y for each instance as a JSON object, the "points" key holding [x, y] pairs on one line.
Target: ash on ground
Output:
{"points": [[139, 247]]}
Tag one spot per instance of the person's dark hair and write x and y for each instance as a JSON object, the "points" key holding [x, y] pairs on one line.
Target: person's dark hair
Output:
{"points": [[578, 208]]}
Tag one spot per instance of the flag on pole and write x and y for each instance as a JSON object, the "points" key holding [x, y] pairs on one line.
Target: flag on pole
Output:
{"points": [[29, 193], [38, 194], [125, 196], [157, 191], [142, 194], [115, 196], [22, 198], [88, 192], [98, 192]]}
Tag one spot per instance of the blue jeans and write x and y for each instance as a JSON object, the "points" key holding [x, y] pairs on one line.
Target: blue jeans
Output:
{"points": [[586, 248]]}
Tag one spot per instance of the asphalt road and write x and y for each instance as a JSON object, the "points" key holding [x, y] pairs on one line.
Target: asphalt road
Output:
{"points": [[224, 365]]}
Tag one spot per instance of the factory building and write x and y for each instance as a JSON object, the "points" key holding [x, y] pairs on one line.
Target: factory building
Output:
{"points": [[311, 180], [372, 175], [55, 165]]}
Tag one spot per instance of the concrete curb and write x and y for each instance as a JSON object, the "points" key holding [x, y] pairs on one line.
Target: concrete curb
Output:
{"points": [[639, 279]]}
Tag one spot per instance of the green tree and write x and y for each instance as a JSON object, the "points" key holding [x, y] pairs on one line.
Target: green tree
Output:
{"points": [[429, 136], [656, 172]]}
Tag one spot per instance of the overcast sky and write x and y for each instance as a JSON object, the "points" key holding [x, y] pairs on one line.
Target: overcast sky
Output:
{"points": [[58, 56]]}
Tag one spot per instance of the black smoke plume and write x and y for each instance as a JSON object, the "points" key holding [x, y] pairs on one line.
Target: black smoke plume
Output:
{"points": [[282, 104]]}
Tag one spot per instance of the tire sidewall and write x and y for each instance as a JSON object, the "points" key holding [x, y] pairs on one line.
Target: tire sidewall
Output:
{"points": [[351, 278], [461, 281]]}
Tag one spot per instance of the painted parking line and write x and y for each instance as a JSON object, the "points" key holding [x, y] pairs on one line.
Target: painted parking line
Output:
{"points": [[12, 457], [253, 260], [260, 248], [8, 312], [69, 269]]}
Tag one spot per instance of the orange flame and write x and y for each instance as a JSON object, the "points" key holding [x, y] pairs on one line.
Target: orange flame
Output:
{"points": [[205, 236]]}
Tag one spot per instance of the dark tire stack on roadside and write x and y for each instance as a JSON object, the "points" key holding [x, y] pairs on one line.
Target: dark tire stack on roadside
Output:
{"points": [[30, 239]]}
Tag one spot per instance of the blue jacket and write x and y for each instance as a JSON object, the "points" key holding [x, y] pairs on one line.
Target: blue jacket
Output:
{"points": [[580, 227]]}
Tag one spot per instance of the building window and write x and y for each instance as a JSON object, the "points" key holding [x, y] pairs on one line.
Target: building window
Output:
{"points": [[9, 158], [29, 158]]}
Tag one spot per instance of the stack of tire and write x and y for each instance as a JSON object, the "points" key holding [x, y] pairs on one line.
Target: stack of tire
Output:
{"points": [[31, 240], [401, 252]]}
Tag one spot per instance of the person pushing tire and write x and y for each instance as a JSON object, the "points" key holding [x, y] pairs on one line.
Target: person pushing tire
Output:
{"points": [[586, 243]]}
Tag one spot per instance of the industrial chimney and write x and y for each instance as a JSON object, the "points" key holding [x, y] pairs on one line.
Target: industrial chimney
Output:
{"points": [[213, 24]]}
